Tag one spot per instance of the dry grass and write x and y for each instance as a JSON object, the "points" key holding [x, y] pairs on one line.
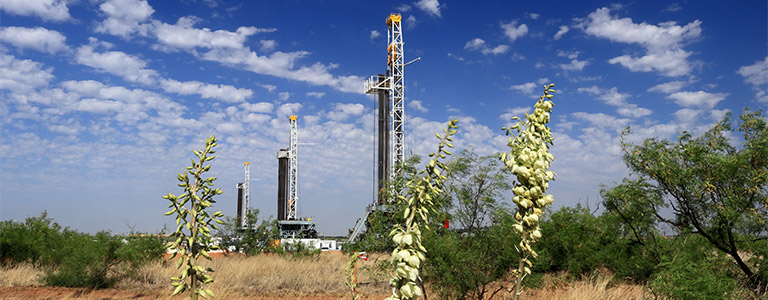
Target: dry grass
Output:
{"points": [[277, 277], [20, 275]]}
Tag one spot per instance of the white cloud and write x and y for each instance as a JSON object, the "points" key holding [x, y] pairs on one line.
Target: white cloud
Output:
{"points": [[513, 32], [534, 16], [268, 45], [269, 87], [22, 75], [374, 34], [431, 7], [288, 109], [698, 99], [315, 94], [757, 75], [525, 88], [560, 32], [510, 113], [37, 38], [183, 36], [284, 96], [129, 67], [223, 92], [667, 87], [125, 17], [261, 107], [48, 10], [478, 44], [673, 7], [418, 106], [663, 42], [613, 98], [411, 22], [403, 8], [342, 111]]}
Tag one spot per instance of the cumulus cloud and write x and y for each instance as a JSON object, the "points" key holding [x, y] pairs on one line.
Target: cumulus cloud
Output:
{"points": [[667, 87], [513, 32], [374, 34], [125, 17], [315, 94], [223, 92], [529, 88], [22, 76], [268, 45], [37, 38], [478, 44], [48, 10], [663, 42], [613, 98], [261, 107], [560, 32], [699, 99], [510, 113], [342, 111], [575, 64], [417, 105], [757, 75], [129, 67], [431, 7]]}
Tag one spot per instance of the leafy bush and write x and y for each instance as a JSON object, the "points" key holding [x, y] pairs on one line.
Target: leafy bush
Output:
{"points": [[75, 259], [463, 266], [580, 243], [694, 271], [29, 242]]}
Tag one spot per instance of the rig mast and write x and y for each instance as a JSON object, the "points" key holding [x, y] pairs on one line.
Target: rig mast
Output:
{"points": [[293, 180], [391, 88], [246, 194]]}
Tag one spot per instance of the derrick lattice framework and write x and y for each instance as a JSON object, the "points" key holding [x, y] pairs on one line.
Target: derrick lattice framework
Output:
{"points": [[390, 88], [293, 173], [246, 193]]}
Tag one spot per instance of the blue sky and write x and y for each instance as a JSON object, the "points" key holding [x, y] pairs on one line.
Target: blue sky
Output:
{"points": [[103, 101]]}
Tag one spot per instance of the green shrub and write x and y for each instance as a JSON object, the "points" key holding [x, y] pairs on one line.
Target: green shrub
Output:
{"points": [[28, 242], [463, 266], [694, 271]]}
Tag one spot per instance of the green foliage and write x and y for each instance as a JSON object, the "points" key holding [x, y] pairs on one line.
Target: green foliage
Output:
{"points": [[423, 188], [74, 259], [694, 271], [714, 189], [529, 159], [581, 243], [463, 265], [193, 234], [253, 240], [29, 241], [476, 182]]}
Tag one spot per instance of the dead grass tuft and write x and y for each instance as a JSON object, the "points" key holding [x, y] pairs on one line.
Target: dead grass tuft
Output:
{"points": [[20, 275]]}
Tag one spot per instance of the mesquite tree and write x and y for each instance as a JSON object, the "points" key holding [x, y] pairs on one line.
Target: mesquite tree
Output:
{"points": [[424, 188], [193, 234], [529, 159]]}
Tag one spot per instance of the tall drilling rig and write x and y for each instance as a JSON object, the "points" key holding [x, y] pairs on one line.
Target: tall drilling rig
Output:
{"points": [[243, 198], [287, 189], [390, 91]]}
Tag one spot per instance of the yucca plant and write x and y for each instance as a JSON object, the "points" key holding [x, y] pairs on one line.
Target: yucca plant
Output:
{"points": [[529, 160], [193, 231]]}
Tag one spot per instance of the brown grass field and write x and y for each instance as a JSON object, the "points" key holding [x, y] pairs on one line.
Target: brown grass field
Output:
{"points": [[273, 277]]}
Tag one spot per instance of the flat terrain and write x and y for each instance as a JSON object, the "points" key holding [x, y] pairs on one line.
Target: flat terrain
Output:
{"points": [[273, 277]]}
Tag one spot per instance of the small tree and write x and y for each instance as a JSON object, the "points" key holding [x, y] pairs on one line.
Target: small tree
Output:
{"points": [[476, 184], [529, 159], [193, 234], [423, 189], [714, 189]]}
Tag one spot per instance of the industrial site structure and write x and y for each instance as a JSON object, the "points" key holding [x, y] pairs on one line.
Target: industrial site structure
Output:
{"points": [[243, 197], [389, 89], [290, 224]]}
